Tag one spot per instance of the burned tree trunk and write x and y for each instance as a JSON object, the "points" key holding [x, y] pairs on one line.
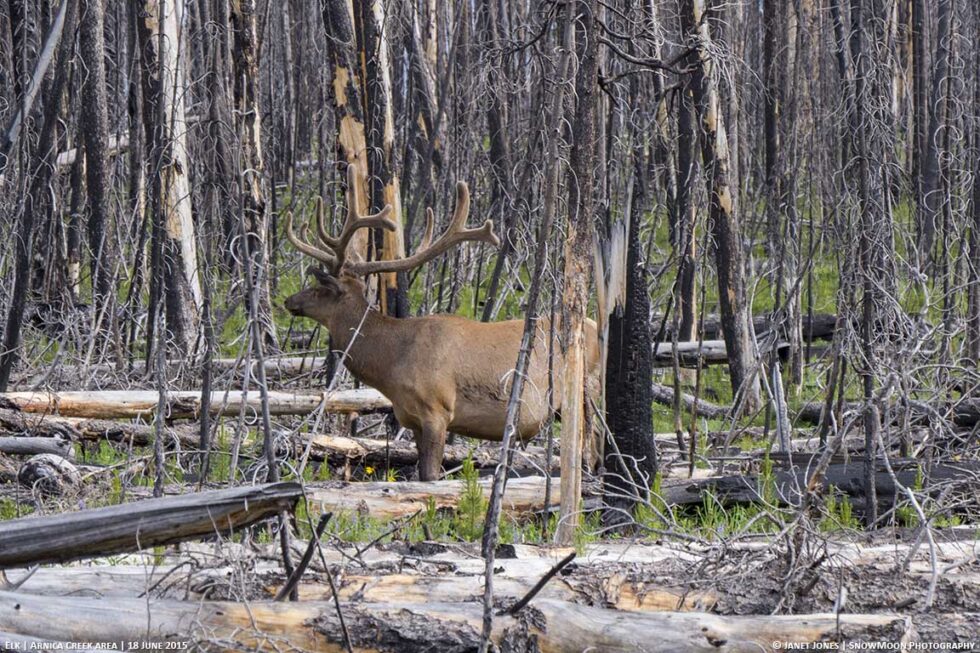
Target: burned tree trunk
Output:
{"points": [[163, 115], [631, 458], [973, 318], [723, 217], [866, 40], [929, 183], [380, 142], [338, 21], [94, 123], [685, 217], [578, 251], [632, 464], [500, 156], [43, 168], [251, 173]]}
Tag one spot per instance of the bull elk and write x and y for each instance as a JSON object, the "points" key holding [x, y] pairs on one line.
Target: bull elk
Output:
{"points": [[442, 372]]}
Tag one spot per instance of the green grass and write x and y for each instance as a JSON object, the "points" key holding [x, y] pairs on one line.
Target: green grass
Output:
{"points": [[10, 509], [838, 512]]}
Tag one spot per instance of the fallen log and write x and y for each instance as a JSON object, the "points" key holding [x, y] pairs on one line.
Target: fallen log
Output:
{"points": [[117, 143], [846, 477], [77, 429], [117, 404], [49, 474], [964, 413], [30, 446], [600, 587], [605, 584], [664, 394], [805, 442], [710, 352], [281, 367], [340, 450], [821, 327], [400, 499], [136, 526], [551, 626]]}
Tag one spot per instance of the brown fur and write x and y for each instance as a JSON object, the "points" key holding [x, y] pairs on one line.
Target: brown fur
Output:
{"points": [[443, 372]]}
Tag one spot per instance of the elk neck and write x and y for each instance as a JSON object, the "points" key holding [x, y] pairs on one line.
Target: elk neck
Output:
{"points": [[363, 332]]}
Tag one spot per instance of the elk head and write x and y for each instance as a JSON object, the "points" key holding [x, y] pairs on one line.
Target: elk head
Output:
{"points": [[340, 289]]}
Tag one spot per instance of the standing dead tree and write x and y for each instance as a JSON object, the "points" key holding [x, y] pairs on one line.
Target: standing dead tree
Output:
{"points": [[742, 357], [254, 226], [174, 243]]}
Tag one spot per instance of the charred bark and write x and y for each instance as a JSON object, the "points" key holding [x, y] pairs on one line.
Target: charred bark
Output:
{"points": [[251, 174], [43, 168], [632, 464], [722, 211], [174, 246], [94, 123]]}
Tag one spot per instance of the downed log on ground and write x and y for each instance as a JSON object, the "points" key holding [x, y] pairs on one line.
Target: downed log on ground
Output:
{"points": [[339, 450], [30, 446], [710, 352], [386, 500], [49, 474], [550, 626], [821, 327], [75, 429], [804, 443], [664, 394], [964, 413], [605, 584], [118, 404], [281, 367], [846, 477], [141, 524]]}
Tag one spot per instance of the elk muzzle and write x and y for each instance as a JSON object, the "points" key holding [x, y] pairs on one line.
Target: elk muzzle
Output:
{"points": [[296, 304]]}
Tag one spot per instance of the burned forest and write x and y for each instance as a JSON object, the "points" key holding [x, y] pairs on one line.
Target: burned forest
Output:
{"points": [[490, 326]]}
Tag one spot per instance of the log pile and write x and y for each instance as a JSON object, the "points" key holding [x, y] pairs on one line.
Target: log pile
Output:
{"points": [[407, 597], [398, 596]]}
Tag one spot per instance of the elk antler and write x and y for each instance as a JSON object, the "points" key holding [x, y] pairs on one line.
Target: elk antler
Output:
{"points": [[455, 233], [333, 251]]}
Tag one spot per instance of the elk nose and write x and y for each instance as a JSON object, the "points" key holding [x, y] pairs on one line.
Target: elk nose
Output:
{"points": [[293, 304]]}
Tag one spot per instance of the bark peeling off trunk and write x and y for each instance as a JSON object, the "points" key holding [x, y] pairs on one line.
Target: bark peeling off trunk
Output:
{"points": [[742, 355]]}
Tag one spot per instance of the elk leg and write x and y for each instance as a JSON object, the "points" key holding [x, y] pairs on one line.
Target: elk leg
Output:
{"points": [[431, 443]]}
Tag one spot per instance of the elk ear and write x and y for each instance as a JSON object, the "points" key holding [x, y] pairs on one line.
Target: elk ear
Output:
{"points": [[326, 280]]}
